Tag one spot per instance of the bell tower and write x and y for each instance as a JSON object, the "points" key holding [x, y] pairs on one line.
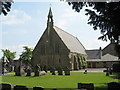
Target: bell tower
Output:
{"points": [[50, 18]]}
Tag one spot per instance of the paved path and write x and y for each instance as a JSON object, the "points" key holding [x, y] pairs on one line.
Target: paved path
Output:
{"points": [[91, 70], [7, 74]]}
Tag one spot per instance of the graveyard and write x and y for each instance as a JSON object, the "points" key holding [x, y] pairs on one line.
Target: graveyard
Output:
{"points": [[99, 79]]}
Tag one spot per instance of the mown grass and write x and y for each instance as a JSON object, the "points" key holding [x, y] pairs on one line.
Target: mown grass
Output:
{"points": [[100, 80]]}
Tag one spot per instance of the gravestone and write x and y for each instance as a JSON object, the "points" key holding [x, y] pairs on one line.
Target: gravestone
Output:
{"points": [[114, 86], [18, 69], [5, 86], [45, 69], [53, 71], [87, 86], [60, 71], [67, 71], [85, 71], [107, 73], [42, 73], [28, 71], [38, 88], [37, 70], [20, 87]]}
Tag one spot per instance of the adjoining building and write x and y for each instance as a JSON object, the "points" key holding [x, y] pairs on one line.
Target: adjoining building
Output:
{"points": [[102, 58], [58, 49]]}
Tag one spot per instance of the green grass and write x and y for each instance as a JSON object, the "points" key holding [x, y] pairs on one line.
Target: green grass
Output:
{"points": [[55, 81]]}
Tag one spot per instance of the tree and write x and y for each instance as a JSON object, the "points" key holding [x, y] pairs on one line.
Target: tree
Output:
{"points": [[5, 6], [105, 17], [26, 55], [9, 56]]}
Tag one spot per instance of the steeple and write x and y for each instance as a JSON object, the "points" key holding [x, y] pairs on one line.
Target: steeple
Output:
{"points": [[50, 18]]}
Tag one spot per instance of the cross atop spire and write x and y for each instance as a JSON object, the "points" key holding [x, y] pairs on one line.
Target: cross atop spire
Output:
{"points": [[50, 13]]}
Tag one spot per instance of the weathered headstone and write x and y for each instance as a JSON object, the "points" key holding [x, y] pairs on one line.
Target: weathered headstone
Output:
{"points": [[20, 87], [107, 73], [85, 71], [42, 73], [53, 71], [5, 86], [17, 71], [60, 71], [28, 71], [38, 88], [45, 69], [67, 71], [114, 86], [37, 70], [87, 86]]}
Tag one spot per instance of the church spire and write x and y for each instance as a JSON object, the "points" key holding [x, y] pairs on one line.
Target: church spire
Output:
{"points": [[50, 17]]}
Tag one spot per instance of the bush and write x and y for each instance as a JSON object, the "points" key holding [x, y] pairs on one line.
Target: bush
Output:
{"points": [[116, 67]]}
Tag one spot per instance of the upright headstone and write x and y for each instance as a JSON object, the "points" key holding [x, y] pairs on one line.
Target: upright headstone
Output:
{"points": [[5, 86], [86, 86], [107, 73], [67, 71], [20, 87], [28, 71], [45, 69], [37, 70], [18, 69], [60, 71], [85, 71], [53, 71], [38, 88]]}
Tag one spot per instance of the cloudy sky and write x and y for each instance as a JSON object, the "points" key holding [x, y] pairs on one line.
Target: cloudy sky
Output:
{"points": [[27, 21]]}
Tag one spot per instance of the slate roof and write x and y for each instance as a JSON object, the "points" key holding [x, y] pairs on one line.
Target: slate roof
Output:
{"points": [[109, 57], [93, 54], [72, 43]]}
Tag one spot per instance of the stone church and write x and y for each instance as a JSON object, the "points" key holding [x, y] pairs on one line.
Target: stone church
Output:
{"points": [[59, 49]]}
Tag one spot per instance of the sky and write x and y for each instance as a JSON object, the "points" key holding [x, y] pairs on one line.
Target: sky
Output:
{"points": [[26, 22]]}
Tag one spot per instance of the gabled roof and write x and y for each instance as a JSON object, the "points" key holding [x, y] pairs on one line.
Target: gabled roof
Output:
{"points": [[109, 57], [72, 43], [93, 54]]}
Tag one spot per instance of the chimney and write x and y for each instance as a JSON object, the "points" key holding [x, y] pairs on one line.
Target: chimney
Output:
{"points": [[100, 55]]}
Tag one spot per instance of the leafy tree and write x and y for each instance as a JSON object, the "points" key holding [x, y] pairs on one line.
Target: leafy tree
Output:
{"points": [[5, 6], [104, 16], [26, 55], [9, 56]]}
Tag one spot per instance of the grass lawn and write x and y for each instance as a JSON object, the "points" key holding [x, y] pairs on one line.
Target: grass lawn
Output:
{"points": [[55, 81]]}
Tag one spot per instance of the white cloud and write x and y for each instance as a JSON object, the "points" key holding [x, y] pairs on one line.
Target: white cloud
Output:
{"points": [[16, 17], [70, 17], [95, 44]]}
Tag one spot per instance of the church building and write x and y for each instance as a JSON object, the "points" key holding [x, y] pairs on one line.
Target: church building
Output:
{"points": [[58, 49]]}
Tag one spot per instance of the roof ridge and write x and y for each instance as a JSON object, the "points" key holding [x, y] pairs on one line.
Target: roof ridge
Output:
{"points": [[65, 31], [92, 49]]}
